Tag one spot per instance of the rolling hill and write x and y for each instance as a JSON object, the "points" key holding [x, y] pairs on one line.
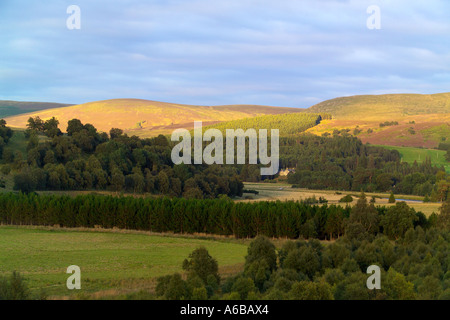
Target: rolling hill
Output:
{"points": [[388, 106], [147, 118], [423, 120], [11, 108]]}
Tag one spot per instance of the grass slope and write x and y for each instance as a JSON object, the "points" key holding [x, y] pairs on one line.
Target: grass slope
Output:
{"points": [[110, 261], [427, 115], [145, 118], [12, 108], [416, 154], [388, 106], [18, 142]]}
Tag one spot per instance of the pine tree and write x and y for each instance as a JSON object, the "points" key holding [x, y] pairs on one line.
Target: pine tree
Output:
{"points": [[391, 198]]}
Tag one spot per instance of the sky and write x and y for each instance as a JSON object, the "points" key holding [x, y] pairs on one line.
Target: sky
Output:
{"points": [[292, 53]]}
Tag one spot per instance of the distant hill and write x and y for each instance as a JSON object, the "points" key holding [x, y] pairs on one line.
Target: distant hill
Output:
{"points": [[12, 108], [423, 120], [388, 106], [147, 118], [420, 120]]}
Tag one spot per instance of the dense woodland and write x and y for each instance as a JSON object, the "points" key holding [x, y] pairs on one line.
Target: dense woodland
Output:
{"points": [[85, 159], [413, 256], [343, 162], [415, 266]]}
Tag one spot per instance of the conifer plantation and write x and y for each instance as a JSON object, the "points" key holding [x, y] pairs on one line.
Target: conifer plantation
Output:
{"points": [[278, 219]]}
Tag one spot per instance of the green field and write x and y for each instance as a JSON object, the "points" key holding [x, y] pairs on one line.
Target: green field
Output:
{"points": [[410, 155], [110, 262], [18, 142]]}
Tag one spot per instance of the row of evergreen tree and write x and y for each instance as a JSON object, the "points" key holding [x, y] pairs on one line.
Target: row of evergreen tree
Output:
{"points": [[214, 216]]}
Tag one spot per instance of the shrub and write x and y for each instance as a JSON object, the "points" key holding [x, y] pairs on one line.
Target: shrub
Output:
{"points": [[13, 288], [347, 199], [391, 198]]}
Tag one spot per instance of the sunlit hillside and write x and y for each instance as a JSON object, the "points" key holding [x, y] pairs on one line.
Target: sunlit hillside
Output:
{"points": [[143, 117], [387, 106], [420, 120]]}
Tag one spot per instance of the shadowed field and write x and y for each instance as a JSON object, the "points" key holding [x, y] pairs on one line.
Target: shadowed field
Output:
{"points": [[11, 108], [111, 262]]}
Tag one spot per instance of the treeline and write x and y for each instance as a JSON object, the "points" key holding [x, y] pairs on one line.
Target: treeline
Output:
{"points": [[48, 127], [213, 216], [85, 159], [5, 134], [288, 124], [413, 268], [345, 163], [445, 146], [388, 124]]}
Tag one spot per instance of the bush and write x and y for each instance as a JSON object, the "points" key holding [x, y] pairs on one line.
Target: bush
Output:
{"points": [[250, 191], [13, 288], [391, 198], [347, 199]]}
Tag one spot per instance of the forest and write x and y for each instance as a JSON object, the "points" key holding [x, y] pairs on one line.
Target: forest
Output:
{"points": [[413, 258], [343, 162], [85, 159], [415, 267]]}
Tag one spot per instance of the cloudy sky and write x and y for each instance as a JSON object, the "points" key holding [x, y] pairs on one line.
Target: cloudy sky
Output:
{"points": [[292, 53]]}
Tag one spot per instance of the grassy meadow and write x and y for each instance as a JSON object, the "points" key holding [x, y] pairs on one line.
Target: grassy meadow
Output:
{"points": [[111, 262], [410, 155]]}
